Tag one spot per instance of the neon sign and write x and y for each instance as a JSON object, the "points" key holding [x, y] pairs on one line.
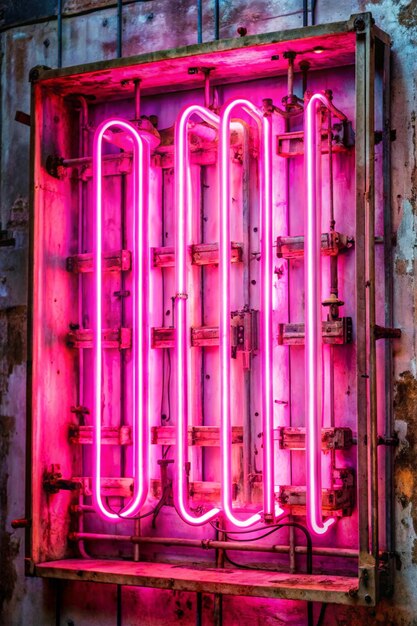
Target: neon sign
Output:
{"points": [[141, 330]]}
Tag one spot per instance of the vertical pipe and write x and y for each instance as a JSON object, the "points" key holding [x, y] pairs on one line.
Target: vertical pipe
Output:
{"points": [[119, 618], [313, 317], [119, 49], [137, 83], [389, 297], [199, 21], [136, 546], [370, 235], [59, 34], [216, 19], [58, 602], [199, 609], [305, 12]]}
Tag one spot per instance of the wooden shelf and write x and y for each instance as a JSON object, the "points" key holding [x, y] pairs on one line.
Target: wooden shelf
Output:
{"points": [[199, 578]]}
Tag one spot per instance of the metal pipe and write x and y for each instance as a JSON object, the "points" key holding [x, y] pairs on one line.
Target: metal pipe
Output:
{"points": [[59, 29], [83, 149], [214, 544], [137, 98], [305, 12], [216, 19], [313, 12], [119, 28], [199, 21], [206, 87], [136, 547], [389, 297], [199, 609]]}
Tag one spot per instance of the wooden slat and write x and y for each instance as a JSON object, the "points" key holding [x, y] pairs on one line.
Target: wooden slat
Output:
{"points": [[338, 501], [331, 438], [255, 583], [197, 435], [334, 332], [109, 436], [331, 244], [118, 261], [201, 254], [203, 336], [120, 338], [292, 144]]}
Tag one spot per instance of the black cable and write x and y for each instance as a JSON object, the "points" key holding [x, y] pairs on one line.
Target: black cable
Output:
{"points": [[119, 605], [243, 532], [323, 608]]}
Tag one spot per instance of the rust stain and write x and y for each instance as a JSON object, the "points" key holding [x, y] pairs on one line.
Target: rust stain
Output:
{"points": [[405, 407], [407, 15], [402, 267], [9, 545], [12, 343], [413, 195]]}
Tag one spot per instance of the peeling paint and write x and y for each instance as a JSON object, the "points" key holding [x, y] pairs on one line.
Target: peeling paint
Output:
{"points": [[405, 407], [407, 15]]}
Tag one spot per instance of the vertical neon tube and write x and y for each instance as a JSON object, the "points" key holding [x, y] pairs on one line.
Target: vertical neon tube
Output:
{"points": [[313, 319], [183, 211], [271, 509], [140, 324]]}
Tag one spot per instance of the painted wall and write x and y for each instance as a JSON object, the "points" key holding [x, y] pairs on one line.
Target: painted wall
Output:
{"points": [[157, 25]]}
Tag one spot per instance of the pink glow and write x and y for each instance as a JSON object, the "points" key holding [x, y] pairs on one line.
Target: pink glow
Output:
{"points": [[140, 324], [271, 509], [183, 212], [313, 320]]}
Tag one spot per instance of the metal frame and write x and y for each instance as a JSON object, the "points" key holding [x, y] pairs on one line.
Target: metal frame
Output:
{"points": [[363, 590]]}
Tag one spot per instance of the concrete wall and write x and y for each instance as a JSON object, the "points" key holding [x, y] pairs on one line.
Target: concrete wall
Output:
{"points": [[149, 26]]}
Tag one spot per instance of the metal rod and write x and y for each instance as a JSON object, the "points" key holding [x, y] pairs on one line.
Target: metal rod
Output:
{"points": [[59, 34], [199, 21], [136, 546], [199, 609], [136, 83], [362, 373], [389, 297], [313, 12], [58, 603], [305, 12], [206, 88], [214, 544], [216, 19], [119, 620], [119, 28]]}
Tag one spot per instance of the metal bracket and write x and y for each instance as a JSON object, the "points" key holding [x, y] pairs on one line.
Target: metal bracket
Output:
{"points": [[53, 482]]}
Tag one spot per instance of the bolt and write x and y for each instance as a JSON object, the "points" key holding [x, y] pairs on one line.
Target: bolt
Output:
{"points": [[242, 31], [368, 599]]}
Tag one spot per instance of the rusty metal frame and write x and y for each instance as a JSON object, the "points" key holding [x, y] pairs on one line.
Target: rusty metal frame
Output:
{"points": [[360, 590]]}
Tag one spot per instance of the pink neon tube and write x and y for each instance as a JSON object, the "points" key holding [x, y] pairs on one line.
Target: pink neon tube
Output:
{"points": [[183, 212], [271, 509], [140, 323], [313, 319]]}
